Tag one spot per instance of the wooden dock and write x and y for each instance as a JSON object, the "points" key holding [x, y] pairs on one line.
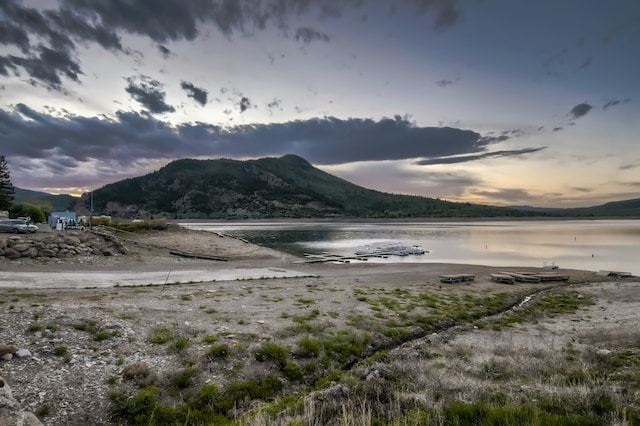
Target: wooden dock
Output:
{"points": [[502, 278], [531, 277], [457, 278]]}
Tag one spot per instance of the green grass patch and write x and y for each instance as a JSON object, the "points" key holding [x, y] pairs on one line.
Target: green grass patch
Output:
{"points": [[161, 335]]}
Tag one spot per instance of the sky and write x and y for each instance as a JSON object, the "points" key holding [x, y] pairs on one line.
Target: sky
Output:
{"points": [[501, 102]]}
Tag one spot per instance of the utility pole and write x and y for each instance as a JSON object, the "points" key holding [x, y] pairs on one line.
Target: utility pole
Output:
{"points": [[91, 212]]}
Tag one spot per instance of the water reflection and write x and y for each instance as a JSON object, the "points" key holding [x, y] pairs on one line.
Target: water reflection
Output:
{"points": [[590, 245]]}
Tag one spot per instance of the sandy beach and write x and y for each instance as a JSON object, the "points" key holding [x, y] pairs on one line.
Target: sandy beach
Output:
{"points": [[248, 299]]}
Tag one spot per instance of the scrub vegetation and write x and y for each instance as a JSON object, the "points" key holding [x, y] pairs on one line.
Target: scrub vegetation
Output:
{"points": [[393, 360]]}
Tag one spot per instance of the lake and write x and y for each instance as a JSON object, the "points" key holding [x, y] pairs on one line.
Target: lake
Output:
{"points": [[577, 244]]}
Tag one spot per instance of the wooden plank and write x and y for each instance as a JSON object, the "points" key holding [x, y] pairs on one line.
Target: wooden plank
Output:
{"points": [[197, 255]]}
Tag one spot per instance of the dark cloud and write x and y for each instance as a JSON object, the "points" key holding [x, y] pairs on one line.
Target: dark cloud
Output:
{"points": [[615, 102], [580, 110], [466, 158], [245, 104], [5, 65], [164, 51], [275, 103], [160, 20], [445, 13], [629, 166], [47, 66], [307, 35], [54, 32], [198, 94], [557, 129], [444, 83], [68, 22], [149, 93], [38, 32], [581, 189], [586, 63], [14, 34]]}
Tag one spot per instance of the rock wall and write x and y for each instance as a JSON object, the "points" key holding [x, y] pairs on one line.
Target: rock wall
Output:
{"points": [[60, 244]]}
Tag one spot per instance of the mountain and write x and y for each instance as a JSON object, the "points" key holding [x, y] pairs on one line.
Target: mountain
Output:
{"points": [[53, 202], [285, 187], [624, 208]]}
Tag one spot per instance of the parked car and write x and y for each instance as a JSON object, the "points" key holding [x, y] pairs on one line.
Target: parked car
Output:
{"points": [[17, 226]]}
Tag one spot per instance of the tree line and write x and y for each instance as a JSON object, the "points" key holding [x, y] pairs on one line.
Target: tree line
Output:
{"points": [[7, 198]]}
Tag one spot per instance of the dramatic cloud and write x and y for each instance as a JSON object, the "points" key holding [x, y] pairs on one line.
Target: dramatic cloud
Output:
{"points": [[130, 136], [307, 35], [148, 92], [198, 94], [57, 30], [580, 110], [48, 65], [54, 32]]}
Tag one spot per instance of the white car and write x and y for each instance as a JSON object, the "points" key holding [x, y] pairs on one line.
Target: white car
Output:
{"points": [[17, 226]]}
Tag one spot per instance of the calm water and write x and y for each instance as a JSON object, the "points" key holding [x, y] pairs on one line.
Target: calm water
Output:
{"points": [[580, 244]]}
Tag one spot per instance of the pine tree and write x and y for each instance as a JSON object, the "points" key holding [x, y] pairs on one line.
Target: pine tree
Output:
{"points": [[6, 187]]}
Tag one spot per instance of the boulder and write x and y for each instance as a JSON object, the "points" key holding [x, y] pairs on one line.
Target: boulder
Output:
{"points": [[12, 254], [11, 412], [22, 247], [7, 349], [23, 353], [45, 252]]}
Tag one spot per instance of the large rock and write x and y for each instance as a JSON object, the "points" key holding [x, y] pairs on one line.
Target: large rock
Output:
{"points": [[10, 410], [12, 254], [7, 349], [45, 252]]}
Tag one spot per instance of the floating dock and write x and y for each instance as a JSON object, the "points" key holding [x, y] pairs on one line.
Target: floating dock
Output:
{"points": [[533, 277], [457, 278], [502, 278]]}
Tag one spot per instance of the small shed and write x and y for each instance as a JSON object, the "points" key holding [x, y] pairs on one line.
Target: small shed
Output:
{"points": [[65, 219]]}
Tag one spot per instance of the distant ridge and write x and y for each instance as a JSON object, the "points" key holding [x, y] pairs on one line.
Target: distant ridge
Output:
{"points": [[624, 208], [60, 202]]}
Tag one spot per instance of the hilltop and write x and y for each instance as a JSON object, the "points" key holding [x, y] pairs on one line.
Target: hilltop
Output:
{"points": [[285, 187]]}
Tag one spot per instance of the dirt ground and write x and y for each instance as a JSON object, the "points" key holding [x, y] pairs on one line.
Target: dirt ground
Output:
{"points": [[71, 388]]}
